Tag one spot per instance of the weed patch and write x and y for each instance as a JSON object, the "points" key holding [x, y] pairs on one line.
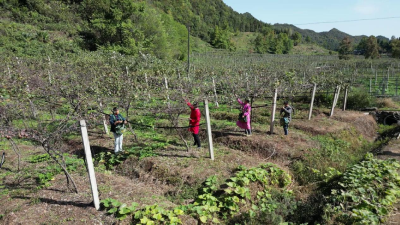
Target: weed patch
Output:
{"points": [[364, 194]]}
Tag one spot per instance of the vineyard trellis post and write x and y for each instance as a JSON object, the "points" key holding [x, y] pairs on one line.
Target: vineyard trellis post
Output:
{"points": [[215, 93], [312, 101], [345, 98], [370, 86], [251, 106], [188, 51], [166, 88], [209, 133], [336, 96], [147, 85], [104, 119], [271, 127], [89, 164]]}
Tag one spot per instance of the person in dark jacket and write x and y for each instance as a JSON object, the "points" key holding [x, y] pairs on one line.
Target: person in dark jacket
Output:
{"points": [[194, 122], [116, 122], [287, 116]]}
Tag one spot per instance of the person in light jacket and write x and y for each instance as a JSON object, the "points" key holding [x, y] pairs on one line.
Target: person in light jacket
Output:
{"points": [[116, 122]]}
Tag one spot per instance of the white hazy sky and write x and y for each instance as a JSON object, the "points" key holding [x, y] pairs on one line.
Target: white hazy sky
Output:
{"points": [[299, 12]]}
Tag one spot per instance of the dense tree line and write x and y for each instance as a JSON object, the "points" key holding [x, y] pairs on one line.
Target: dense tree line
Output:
{"points": [[204, 15], [276, 41], [125, 26]]}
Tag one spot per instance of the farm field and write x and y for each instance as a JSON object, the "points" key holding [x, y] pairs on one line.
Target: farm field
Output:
{"points": [[259, 179]]}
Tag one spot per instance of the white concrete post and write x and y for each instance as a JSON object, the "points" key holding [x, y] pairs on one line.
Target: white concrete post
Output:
{"points": [[345, 98], [209, 134], [312, 101], [370, 85], [336, 96], [89, 164], [104, 120], [271, 127], [215, 93], [166, 87], [147, 86]]}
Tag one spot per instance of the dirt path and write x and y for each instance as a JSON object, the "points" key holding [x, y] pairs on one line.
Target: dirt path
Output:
{"points": [[392, 150]]}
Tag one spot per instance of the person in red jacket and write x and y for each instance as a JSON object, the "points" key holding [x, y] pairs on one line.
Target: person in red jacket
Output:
{"points": [[194, 122]]}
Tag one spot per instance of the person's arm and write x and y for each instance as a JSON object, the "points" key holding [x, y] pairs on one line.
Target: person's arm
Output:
{"points": [[123, 120], [112, 121], [188, 103], [240, 102], [287, 110]]}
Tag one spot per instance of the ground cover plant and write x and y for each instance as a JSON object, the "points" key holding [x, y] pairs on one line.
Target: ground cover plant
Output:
{"points": [[364, 194]]}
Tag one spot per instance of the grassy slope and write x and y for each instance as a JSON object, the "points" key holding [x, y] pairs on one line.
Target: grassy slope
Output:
{"points": [[309, 49], [243, 41]]}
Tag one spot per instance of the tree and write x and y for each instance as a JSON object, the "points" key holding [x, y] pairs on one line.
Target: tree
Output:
{"points": [[296, 38], [308, 39], [372, 48], [345, 49], [222, 39], [362, 46], [395, 45]]}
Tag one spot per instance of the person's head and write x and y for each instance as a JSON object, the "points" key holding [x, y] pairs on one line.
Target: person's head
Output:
{"points": [[195, 105], [115, 111], [246, 101], [285, 103]]}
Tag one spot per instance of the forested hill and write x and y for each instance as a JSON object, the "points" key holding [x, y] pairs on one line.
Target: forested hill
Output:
{"points": [[204, 15], [329, 39], [158, 27], [132, 27]]}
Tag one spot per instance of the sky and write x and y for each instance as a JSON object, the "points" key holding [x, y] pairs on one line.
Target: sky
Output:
{"points": [[298, 12]]}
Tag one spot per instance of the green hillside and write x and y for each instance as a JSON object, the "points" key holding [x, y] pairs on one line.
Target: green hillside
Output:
{"points": [[157, 27], [311, 49], [32, 28]]}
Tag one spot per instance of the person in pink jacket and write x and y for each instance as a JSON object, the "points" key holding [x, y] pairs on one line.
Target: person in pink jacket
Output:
{"points": [[244, 122]]}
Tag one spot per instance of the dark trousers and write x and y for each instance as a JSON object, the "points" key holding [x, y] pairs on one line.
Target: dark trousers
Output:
{"points": [[247, 131], [196, 140], [285, 128]]}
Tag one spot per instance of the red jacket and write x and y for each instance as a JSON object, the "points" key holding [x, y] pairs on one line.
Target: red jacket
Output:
{"points": [[194, 119]]}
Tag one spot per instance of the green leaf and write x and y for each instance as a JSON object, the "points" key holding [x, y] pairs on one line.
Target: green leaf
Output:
{"points": [[112, 210], [215, 220], [178, 212], [203, 219]]}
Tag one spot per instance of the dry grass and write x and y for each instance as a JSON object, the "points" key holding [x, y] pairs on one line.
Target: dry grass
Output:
{"points": [[386, 103]]}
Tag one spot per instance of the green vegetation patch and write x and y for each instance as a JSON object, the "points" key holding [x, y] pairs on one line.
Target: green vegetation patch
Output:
{"points": [[258, 194], [365, 193], [338, 151]]}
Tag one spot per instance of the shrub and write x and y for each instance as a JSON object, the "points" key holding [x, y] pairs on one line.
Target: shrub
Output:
{"points": [[386, 103], [359, 99]]}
